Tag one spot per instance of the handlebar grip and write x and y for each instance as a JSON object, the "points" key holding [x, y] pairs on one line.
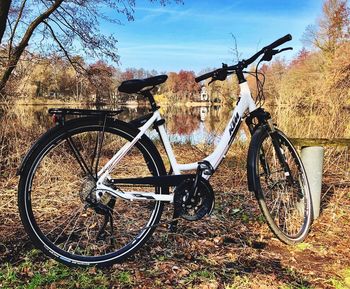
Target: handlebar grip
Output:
{"points": [[280, 41], [204, 76]]}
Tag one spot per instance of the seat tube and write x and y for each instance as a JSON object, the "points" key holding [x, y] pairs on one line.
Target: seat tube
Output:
{"points": [[169, 151], [246, 96]]}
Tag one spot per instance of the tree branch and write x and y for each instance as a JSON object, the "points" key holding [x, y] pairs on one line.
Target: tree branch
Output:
{"points": [[15, 26], [35, 24], [73, 63], [69, 26], [59, 26]]}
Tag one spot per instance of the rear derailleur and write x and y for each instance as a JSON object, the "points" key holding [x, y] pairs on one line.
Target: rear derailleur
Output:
{"points": [[103, 206]]}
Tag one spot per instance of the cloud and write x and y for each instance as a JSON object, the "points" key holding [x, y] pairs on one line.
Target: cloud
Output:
{"points": [[146, 14], [197, 34], [223, 16], [189, 56]]}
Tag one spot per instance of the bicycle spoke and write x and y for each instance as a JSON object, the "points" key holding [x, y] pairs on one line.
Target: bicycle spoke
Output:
{"points": [[282, 194], [71, 220], [72, 231], [79, 158], [59, 225], [98, 148], [88, 226]]}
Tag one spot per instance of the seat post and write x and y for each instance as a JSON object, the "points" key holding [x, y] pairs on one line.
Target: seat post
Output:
{"points": [[147, 93]]}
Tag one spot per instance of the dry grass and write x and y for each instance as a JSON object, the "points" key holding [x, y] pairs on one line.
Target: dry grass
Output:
{"points": [[231, 249]]}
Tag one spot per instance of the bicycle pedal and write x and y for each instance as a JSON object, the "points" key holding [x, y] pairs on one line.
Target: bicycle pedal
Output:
{"points": [[172, 228]]}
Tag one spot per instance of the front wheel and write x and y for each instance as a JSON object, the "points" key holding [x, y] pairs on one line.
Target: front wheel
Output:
{"points": [[280, 184], [57, 196]]}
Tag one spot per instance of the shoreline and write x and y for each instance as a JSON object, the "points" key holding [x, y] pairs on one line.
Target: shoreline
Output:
{"points": [[131, 104], [37, 102]]}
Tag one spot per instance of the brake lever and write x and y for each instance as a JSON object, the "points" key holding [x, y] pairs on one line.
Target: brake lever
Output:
{"points": [[220, 74], [270, 53], [284, 49]]}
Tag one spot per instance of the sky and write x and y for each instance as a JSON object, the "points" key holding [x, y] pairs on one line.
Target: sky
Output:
{"points": [[198, 34]]}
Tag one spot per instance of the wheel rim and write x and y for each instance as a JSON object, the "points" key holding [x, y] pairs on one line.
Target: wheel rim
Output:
{"points": [[286, 202]]}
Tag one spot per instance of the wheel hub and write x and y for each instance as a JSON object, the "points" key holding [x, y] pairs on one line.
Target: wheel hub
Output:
{"points": [[89, 194]]}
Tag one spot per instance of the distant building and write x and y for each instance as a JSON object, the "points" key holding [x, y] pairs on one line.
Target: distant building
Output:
{"points": [[204, 94], [203, 113]]}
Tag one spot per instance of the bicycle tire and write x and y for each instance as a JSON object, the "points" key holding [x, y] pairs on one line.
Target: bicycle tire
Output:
{"points": [[275, 194], [51, 184]]}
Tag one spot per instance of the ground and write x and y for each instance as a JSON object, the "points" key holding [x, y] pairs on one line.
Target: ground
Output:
{"points": [[233, 248]]}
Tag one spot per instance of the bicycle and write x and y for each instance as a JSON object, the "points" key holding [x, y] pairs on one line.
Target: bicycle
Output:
{"points": [[92, 188]]}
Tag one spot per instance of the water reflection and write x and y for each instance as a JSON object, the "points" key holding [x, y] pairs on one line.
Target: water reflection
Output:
{"points": [[192, 125], [200, 124]]}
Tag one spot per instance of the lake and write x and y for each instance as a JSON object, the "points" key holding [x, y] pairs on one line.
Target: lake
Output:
{"points": [[202, 124]]}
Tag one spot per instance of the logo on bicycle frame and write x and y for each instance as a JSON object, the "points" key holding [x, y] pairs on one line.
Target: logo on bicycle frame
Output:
{"points": [[234, 123]]}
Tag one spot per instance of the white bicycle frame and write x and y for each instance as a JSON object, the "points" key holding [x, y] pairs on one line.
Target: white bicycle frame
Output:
{"points": [[245, 102]]}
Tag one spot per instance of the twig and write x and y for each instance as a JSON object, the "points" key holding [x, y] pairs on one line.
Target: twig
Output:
{"points": [[73, 63], [15, 27], [234, 50]]}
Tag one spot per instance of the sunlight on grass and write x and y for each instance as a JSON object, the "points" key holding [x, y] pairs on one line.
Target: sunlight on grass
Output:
{"points": [[125, 278], [239, 282], [31, 275], [302, 246], [344, 282]]}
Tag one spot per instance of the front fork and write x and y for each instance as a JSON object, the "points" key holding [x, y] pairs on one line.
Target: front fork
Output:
{"points": [[260, 117]]}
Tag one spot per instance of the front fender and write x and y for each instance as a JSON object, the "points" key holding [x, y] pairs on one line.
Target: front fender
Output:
{"points": [[253, 179]]}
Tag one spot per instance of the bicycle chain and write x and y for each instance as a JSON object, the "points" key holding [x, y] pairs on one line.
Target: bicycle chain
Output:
{"points": [[155, 225]]}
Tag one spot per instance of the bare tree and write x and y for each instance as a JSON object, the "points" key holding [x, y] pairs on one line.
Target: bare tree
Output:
{"points": [[332, 28], [62, 26]]}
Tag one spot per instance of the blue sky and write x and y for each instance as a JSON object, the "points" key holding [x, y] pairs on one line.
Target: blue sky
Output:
{"points": [[197, 34]]}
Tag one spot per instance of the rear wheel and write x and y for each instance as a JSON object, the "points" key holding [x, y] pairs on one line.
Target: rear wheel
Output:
{"points": [[57, 197], [283, 194]]}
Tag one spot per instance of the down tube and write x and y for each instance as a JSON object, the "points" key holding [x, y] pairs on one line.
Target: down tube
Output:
{"points": [[245, 102]]}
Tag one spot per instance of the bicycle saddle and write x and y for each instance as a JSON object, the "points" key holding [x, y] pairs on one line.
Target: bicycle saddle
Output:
{"points": [[136, 85]]}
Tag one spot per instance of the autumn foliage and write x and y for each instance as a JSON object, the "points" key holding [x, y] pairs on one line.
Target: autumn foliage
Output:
{"points": [[318, 74]]}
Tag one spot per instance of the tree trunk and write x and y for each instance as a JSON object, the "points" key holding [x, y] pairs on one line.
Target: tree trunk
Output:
{"points": [[4, 11], [7, 73], [17, 51]]}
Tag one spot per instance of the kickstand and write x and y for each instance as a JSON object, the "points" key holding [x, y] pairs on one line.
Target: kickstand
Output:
{"points": [[172, 227], [112, 230], [101, 235]]}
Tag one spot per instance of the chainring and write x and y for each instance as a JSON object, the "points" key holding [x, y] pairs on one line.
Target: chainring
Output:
{"points": [[201, 204]]}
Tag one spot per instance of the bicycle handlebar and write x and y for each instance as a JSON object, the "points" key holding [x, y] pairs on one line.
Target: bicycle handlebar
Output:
{"points": [[273, 45], [207, 75], [280, 41], [244, 63]]}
